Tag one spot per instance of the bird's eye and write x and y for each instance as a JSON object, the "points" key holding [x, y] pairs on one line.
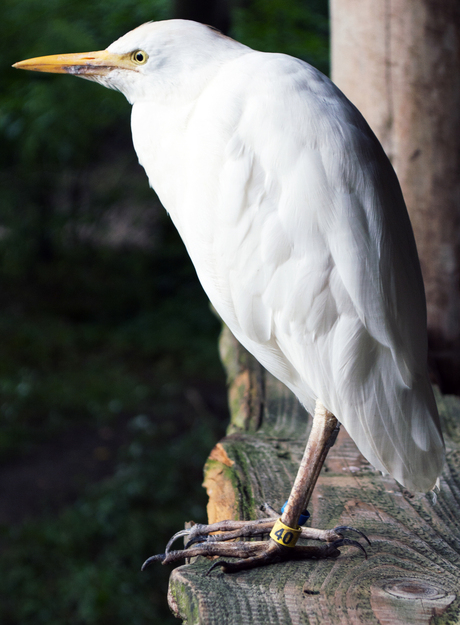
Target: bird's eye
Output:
{"points": [[139, 57]]}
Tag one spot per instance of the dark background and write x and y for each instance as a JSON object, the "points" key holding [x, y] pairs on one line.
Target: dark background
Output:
{"points": [[111, 390]]}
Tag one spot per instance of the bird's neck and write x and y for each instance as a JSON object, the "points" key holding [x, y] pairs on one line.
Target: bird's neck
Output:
{"points": [[158, 135]]}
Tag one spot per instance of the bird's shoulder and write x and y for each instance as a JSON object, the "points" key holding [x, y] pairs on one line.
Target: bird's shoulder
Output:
{"points": [[264, 98], [275, 71]]}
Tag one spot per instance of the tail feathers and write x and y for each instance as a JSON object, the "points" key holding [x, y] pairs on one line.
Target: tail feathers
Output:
{"points": [[398, 430]]}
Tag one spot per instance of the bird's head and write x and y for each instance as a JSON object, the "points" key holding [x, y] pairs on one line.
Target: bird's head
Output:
{"points": [[156, 56]]}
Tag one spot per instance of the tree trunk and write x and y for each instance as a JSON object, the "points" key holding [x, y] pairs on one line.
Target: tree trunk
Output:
{"points": [[398, 61]]}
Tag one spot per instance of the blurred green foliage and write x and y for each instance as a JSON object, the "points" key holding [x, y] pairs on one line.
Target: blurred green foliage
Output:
{"points": [[50, 125], [91, 331], [83, 566], [294, 27]]}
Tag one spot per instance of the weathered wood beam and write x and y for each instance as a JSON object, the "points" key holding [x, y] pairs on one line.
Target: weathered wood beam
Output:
{"points": [[413, 568]]}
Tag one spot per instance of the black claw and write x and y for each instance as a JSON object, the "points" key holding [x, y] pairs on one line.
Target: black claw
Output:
{"points": [[173, 539], [201, 538], [348, 541], [215, 565], [347, 528], [158, 558]]}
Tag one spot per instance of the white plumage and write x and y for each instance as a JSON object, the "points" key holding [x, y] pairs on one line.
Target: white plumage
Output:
{"points": [[296, 225]]}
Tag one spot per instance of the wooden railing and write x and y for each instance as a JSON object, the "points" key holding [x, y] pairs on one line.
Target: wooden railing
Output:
{"points": [[412, 573]]}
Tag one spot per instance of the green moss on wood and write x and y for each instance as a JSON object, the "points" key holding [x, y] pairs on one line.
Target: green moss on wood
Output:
{"points": [[413, 539]]}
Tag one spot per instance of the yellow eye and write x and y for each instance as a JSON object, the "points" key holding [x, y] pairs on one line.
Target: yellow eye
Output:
{"points": [[139, 57]]}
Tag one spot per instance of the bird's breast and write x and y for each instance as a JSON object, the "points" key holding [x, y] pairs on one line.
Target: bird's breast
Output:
{"points": [[159, 138]]}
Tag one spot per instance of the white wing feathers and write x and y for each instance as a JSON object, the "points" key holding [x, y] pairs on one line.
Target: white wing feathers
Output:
{"points": [[308, 254]]}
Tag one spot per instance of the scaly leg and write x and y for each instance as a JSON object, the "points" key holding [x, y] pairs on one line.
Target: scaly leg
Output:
{"points": [[284, 530]]}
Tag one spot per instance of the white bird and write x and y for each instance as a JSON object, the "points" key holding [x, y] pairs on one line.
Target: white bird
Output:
{"points": [[296, 225]]}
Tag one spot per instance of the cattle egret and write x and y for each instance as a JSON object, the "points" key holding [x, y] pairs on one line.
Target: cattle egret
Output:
{"points": [[296, 225]]}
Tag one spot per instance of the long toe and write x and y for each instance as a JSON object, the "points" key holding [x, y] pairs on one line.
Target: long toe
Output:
{"points": [[272, 553], [253, 562], [204, 541]]}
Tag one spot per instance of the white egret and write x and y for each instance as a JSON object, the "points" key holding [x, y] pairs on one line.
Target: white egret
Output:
{"points": [[296, 225]]}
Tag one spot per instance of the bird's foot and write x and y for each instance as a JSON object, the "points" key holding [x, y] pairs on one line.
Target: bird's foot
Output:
{"points": [[203, 541]]}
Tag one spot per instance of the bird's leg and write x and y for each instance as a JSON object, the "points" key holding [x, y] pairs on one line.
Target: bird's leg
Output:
{"points": [[323, 435], [282, 531]]}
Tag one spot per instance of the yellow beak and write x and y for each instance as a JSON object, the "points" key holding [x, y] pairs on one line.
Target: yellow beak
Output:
{"points": [[84, 64]]}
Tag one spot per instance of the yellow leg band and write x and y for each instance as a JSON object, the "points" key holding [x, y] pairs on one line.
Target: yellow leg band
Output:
{"points": [[284, 535]]}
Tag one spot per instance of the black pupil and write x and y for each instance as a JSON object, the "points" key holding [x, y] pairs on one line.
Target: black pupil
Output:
{"points": [[139, 57]]}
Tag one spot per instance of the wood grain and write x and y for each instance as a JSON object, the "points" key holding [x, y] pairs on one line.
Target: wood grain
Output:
{"points": [[412, 574]]}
